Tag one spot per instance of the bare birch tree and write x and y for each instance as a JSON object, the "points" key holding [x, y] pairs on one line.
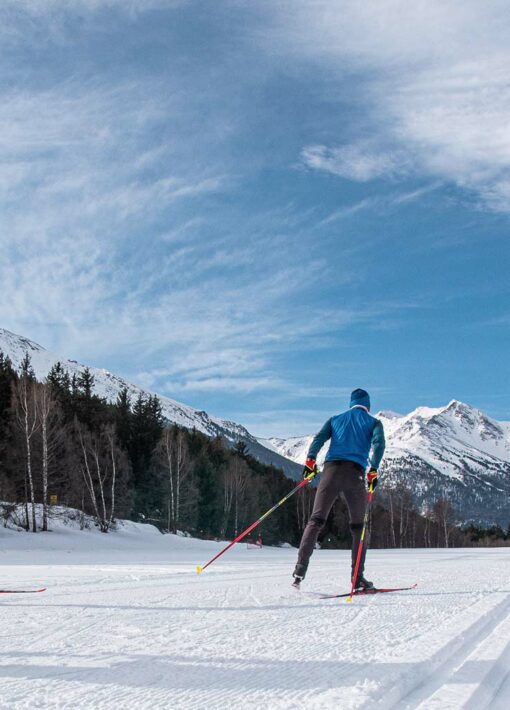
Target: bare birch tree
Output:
{"points": [[403, 516], [173, 454], [241, 476], [304, 506], [113, 456], [228, 497], [49, 421], [235, 478], [24, 404], [100, 460], [426, 529], [443, 514], [182, 469], [390, 495]]}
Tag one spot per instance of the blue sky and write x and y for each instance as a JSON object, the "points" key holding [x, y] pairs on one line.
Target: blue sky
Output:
{"points": [[254, 207]]}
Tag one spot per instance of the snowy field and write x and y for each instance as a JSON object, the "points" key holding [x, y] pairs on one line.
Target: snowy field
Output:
{"points": [[127, 623]]}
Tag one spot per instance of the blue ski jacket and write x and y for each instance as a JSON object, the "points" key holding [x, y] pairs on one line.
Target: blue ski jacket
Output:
{"points": [[353, 433]]}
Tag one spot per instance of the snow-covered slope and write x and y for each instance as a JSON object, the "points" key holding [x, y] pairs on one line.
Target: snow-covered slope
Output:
{"points": [[455, 451], [108, 385]]}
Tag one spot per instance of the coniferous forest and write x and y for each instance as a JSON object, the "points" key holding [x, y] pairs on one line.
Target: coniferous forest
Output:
{"points": [[60, 442]]}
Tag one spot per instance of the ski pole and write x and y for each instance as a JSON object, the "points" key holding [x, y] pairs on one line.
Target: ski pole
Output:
{"points": [[361, 542], [304, 482]]}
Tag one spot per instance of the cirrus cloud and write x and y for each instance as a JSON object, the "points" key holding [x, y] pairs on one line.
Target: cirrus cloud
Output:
{"points": [[432, 87]]}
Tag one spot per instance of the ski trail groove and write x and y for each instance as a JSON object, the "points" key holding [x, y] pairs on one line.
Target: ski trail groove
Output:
{"points": [[447, 661]]}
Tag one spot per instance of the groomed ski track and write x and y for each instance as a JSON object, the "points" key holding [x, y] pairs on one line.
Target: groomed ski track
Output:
{"points": [[127, 623]]}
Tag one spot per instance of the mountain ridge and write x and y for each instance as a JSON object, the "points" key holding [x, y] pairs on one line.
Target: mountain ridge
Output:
{"points": [[108, 385], [455, 451]]}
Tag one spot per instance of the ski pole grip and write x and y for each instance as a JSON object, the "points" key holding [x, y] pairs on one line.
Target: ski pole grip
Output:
{"points": [[312, 473]]}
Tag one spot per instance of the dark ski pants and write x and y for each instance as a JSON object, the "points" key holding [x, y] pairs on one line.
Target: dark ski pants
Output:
{"points": [[339, 477]]}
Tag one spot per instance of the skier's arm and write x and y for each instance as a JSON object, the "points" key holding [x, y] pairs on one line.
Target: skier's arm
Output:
{"points": [[378, 445], [319, 440]]}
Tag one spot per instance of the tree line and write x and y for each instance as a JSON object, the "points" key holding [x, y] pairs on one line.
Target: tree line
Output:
{"points": [[60, 440], [121, 459]]}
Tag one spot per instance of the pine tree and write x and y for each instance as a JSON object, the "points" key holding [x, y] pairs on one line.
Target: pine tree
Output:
{"points": [[59, 380], [146, 430], [26, 369], [85, 382], [7, 378], [123, 418], [89, 408], [241, 449], [209, 510]]}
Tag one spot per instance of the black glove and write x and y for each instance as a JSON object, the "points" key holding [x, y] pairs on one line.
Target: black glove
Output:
{"points": [[310, 467], [372, 478]]}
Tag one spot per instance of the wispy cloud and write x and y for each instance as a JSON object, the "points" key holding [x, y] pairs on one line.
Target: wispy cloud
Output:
{"points": [[379, 203], [412, 195], [153, 221], [432, 81], [365, 204], [500, 321], [359, 161]]}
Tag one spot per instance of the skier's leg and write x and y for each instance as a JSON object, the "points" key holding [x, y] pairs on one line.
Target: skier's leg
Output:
{"points": [[355, 495], [327, 493]]}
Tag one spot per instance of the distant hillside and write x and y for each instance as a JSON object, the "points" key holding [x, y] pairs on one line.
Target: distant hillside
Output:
{"points": [[455, 451], [108, 385]]}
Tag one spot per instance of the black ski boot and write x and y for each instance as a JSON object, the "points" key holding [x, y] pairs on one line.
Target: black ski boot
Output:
{"points": [[363, 584], [298, 574]]}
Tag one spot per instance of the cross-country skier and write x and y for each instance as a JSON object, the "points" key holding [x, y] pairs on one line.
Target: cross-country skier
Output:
{"points": [[353, 434]]}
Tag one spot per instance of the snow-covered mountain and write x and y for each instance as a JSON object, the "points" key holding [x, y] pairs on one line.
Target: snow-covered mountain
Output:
{"points": [[108, 385], [455, 451]]}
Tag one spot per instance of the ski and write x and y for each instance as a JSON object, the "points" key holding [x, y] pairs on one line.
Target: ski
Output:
{"points": [[364, 592], [22, 591]]}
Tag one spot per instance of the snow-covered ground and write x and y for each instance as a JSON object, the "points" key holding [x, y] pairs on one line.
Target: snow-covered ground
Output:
{"points": [[127, 623]]}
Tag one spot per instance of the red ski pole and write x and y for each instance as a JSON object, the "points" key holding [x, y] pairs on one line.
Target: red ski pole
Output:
{"points": [[304, 482], [361, 542]]}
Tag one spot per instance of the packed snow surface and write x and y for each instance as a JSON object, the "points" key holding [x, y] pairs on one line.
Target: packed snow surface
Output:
{"points": [[127, 623]]}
